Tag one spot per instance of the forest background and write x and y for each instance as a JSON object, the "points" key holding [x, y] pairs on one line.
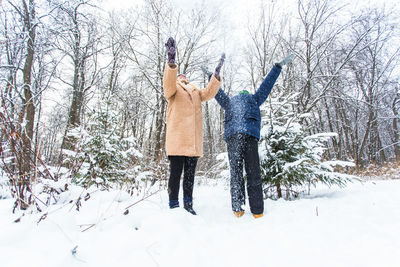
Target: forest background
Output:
{"points": [[81, 83]]}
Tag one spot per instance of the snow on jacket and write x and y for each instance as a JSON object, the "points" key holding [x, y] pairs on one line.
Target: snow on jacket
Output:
{"points": [[184, 115], [242, 112]]}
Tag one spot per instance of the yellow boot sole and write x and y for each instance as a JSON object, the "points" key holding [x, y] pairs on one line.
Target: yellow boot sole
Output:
{"points": [[258, 215], [238, 213]]}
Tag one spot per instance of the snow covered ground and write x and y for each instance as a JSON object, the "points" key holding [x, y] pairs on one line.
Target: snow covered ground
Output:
{"points": [[355, 226]]}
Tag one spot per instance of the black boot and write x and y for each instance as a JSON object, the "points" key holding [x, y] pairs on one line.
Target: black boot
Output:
{"points": [[189, 207], [173, 204]]}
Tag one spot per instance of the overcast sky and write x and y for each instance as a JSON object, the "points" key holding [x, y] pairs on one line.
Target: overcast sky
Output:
{"points": [[236, 12], [241, 8]]}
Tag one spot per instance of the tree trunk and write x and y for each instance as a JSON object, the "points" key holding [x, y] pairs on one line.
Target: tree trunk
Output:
{"points": [[346, 126], [331, 129], [339, 129], [210, 141], [396, 131], [365, 139], [29, 106], [78, 86], [158, 129], [278, 190]]}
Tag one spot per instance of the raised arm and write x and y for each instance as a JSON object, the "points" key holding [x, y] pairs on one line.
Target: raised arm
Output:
{"points": [[211, 90], [215, 82], [169, 80], [171, 70], [222, 99], [266, 86], [269, 81]]}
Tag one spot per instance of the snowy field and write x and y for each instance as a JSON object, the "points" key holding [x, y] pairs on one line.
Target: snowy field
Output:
{"points": [[355, 226]]}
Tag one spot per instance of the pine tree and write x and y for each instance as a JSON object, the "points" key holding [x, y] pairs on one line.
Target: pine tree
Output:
{"points": [[104, 157], [290, 160]]}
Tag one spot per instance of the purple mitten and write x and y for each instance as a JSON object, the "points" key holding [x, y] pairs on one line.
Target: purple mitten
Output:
{"points": [[170, 47], [219, 66]]}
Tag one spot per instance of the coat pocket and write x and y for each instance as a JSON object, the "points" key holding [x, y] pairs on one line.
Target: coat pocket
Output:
{"points": [[251, 115], [252, 111]]}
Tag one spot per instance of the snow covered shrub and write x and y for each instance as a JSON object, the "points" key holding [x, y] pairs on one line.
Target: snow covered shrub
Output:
{"points": [[291, 161], [4, 187], [103, 157], [156, 171], [215, 172], [388, 170], [223, 166], [19, 159]]}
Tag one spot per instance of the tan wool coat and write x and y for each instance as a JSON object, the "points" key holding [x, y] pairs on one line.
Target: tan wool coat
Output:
{"points": [[184, 115]]}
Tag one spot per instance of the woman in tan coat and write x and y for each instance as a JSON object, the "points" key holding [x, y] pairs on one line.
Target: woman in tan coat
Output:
{"points": [[184, 142]]}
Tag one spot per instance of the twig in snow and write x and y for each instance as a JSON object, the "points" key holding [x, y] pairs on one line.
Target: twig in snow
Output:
{"points": [[127, 208], [88, 227], [44, 216], [73, 251]]}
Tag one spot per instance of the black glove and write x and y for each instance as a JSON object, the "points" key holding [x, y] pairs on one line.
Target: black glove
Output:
{"points": [[170, 47], [219, 66], [285, 61]]}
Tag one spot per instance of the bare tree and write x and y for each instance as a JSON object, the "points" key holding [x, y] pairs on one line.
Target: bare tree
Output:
{"points": [[24, 129], [371, 69], [27, 76], [396, 130], [264, 36], [78, 40]]}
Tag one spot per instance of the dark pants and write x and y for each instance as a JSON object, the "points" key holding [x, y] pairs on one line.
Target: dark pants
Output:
{"points": [[177, 164], [243, 147]]}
